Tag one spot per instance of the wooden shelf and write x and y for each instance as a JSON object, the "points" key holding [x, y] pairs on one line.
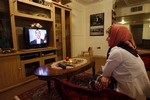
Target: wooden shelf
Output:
{"points": [[32, 16], [35, 4], [24, 51], [23, 13]]}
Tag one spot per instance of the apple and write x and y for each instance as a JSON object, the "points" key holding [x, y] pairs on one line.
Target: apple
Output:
{"points": [[67, 58]]}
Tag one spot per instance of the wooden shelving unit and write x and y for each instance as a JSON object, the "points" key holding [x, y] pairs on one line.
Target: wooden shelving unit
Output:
{"points": [[17, 67]]}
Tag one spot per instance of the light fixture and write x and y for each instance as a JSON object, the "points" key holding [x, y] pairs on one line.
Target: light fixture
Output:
{"points": [[122, 21]]}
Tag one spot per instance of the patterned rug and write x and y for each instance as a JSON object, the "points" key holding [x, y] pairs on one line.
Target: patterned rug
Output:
{"points": [[41, 92]]}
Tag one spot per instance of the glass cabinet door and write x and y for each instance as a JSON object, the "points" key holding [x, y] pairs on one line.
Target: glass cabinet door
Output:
{"points": [[63, 32], [67, 33], [5, 26], [58, 32]]}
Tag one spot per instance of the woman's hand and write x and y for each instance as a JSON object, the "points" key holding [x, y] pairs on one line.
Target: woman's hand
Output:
{"points": [[105, 81], [101, 83], [98, 86]]}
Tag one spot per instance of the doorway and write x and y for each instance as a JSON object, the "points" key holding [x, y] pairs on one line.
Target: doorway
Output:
{"points": [[137, 31]]}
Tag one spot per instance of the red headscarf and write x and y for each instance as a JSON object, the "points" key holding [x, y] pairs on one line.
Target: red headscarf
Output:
{"points": [[119, 34]]}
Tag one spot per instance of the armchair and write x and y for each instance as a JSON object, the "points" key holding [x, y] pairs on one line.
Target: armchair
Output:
{"points": [[70, 91]]}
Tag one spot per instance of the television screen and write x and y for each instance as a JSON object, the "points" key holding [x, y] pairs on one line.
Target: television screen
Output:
{"points": [[35, 37]]}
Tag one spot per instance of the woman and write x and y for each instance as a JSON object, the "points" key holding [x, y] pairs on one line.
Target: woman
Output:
{"points": [[125, 65]]}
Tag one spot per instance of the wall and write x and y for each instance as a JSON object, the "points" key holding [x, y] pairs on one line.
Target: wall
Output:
{"points": [[81, 38], [105, 7], [78, 28], [146, 30]]}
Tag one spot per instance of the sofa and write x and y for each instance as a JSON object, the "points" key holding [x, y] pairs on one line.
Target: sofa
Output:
{"points": [[70, 91]]}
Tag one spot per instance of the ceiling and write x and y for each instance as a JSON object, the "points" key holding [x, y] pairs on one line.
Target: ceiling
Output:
{"points": [[119, 3], [126, 3], [87, 2], [134, 19]]}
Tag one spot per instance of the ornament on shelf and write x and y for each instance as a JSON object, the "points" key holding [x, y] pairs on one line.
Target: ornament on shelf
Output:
{"points": [[37, 25], [39, 1], [58, 1], [47, 2]]}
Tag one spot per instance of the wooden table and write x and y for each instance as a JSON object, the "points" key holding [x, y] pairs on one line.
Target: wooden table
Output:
{"points": [[46, 72]]}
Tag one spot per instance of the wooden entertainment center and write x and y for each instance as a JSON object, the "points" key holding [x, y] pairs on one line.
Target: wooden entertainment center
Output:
{"points": [[17, 63]]}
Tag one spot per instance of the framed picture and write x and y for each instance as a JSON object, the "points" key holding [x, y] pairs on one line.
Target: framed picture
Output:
{"points": [[97, 24]]}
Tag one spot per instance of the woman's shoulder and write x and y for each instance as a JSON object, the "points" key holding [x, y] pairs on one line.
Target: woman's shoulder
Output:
{"points": [[118, 50], [116, 54], [115, 51]]}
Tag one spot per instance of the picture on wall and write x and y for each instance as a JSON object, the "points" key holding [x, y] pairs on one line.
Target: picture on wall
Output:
{"points": [[97, 24]]}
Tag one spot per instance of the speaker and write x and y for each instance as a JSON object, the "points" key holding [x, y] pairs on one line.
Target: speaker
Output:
{"points": [[29, 56]]}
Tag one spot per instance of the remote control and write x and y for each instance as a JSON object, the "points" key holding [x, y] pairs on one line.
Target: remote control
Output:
{"points": [[63, 66]]}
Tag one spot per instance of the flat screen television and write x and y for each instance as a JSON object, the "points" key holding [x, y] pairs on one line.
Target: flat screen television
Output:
{"points": [[35, 37]]}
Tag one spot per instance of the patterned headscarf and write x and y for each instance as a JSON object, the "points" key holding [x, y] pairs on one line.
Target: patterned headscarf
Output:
{"points": [[119, 34]]}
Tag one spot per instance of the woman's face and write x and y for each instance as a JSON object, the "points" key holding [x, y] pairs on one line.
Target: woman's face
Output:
{"points": [[108, 31], [38, 34]]}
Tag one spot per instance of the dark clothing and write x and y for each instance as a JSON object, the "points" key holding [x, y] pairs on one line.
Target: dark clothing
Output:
{"points": [[35, 41], [126, 47]]}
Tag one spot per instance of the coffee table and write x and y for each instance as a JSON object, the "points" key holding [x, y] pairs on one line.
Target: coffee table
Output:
{"points": [[46, 72]]}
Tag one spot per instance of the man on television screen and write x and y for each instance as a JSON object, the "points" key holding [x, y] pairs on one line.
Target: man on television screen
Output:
{"points": [[38, 39]]}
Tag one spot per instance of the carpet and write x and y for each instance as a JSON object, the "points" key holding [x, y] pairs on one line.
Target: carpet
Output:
{"points": [[41, 92]]}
